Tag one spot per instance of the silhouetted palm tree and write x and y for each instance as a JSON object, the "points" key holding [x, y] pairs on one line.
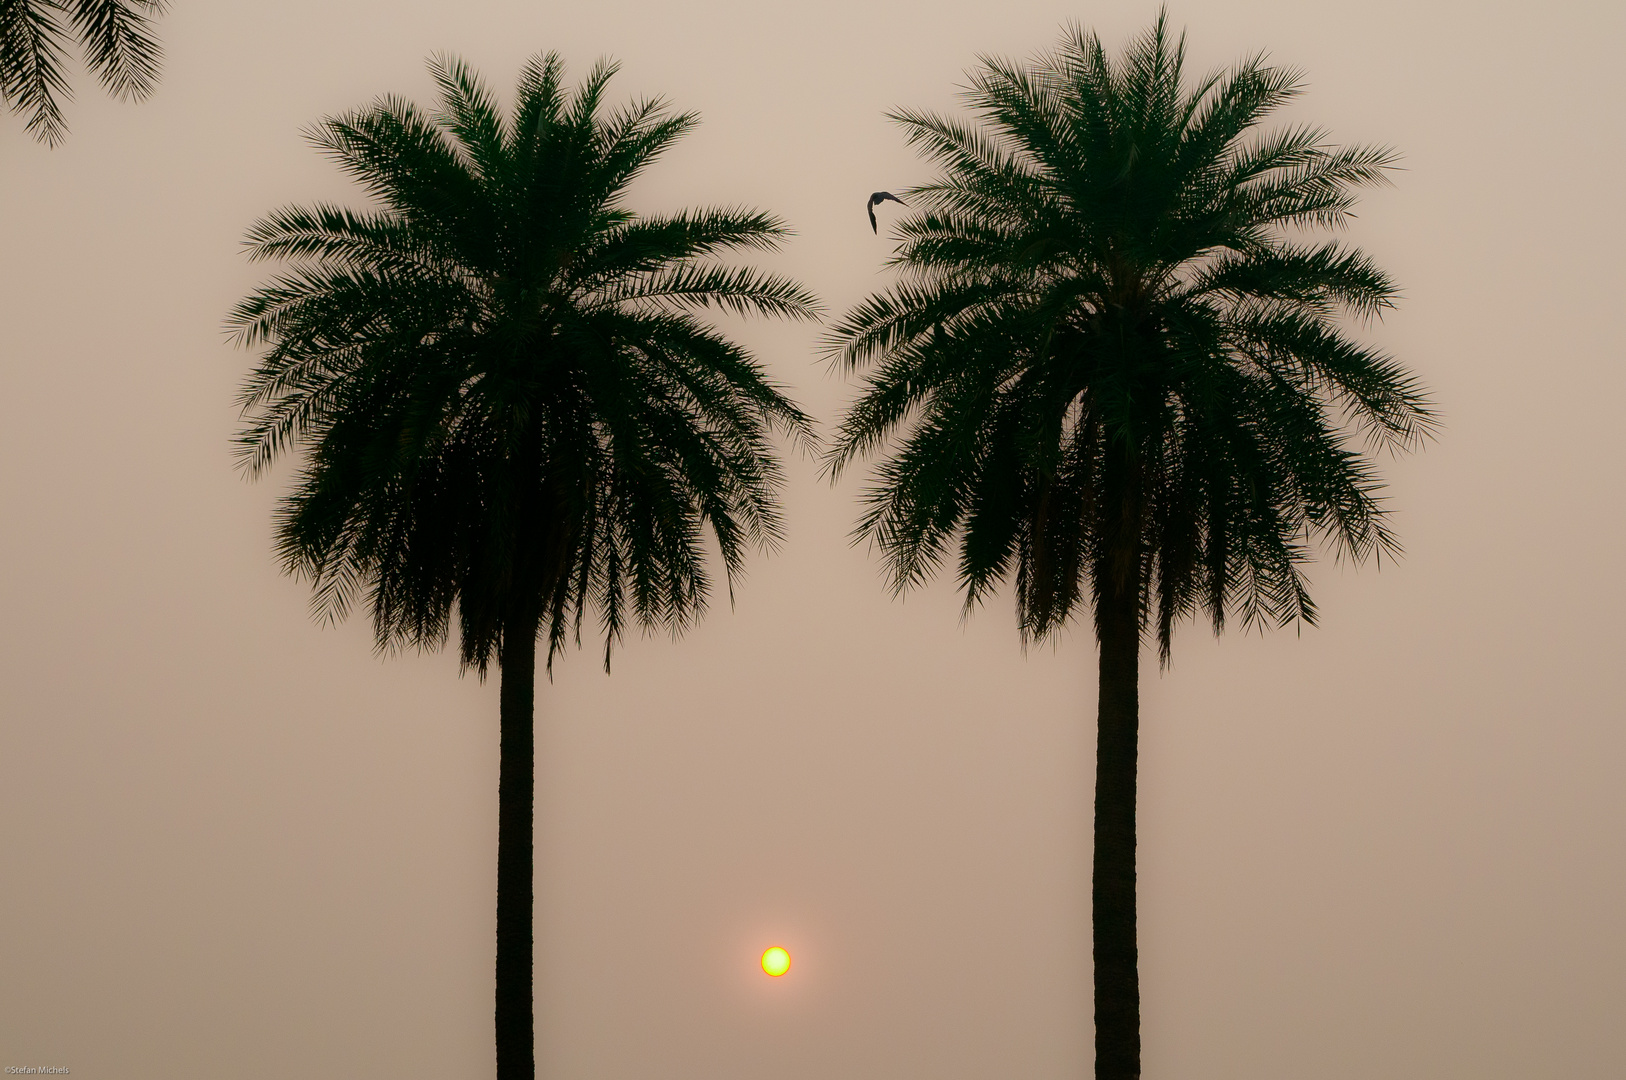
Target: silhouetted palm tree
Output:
{"points": [[115, 37], [1114, 367], [511, 403]]}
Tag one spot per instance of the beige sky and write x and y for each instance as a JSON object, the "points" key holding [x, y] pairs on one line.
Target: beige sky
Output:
{"points": [[237, 844]]}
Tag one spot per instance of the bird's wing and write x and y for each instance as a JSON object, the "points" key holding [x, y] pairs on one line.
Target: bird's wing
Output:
{"points": [[894, 198], [870, 209]]}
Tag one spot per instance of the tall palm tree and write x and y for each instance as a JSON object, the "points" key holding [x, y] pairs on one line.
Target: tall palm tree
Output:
{"points": [[511, 402], [115, 38], [1115, 366]]}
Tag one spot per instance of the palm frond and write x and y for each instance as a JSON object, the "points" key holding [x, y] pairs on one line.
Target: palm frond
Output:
{"points": [[33, 50], [116, 39], [119, 43]]}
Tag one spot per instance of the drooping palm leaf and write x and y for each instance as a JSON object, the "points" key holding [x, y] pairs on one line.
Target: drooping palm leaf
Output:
{"points": [[116, 39]]}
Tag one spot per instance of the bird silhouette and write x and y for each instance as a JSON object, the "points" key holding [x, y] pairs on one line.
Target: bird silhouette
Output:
{"points": [[876, 200]]}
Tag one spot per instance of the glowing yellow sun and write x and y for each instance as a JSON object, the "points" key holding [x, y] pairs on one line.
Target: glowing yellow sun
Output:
{"points": [[776, 961]]}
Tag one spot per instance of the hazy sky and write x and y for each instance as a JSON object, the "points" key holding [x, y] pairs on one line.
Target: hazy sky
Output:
{"points": [[235, 843]]}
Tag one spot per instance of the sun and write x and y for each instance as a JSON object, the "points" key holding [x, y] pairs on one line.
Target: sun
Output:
{"points": [[776, 961]]}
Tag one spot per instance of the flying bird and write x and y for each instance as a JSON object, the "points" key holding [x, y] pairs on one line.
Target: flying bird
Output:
{"points": [[876, 200]]}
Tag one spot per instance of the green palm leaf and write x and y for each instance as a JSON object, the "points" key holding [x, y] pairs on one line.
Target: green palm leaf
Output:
{"points": [[116, 41]]}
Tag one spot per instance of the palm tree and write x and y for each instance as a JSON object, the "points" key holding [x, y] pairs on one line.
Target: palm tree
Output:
{"points": [[1115, 366], [511, 402], [115, 37]]}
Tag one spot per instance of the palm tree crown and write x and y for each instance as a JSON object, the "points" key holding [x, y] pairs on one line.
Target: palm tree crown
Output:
{"points": [[117, 42], [1108, 343], [502, 372], [1114, 367]]}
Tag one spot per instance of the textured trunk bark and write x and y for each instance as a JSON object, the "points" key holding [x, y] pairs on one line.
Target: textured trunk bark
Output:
{"points": [[1117, 980], [516, 791]]}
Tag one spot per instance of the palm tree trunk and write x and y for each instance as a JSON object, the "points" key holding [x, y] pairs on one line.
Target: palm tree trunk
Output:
{"points": [[1112, 896], [516, 799]]}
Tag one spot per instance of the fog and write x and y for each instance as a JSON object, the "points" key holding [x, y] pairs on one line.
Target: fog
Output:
{"points": [[239, 843]]}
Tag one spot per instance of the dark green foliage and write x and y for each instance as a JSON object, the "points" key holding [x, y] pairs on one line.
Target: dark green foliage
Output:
{"points": [[1112, 344], [116, 40], [505, 378]]}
